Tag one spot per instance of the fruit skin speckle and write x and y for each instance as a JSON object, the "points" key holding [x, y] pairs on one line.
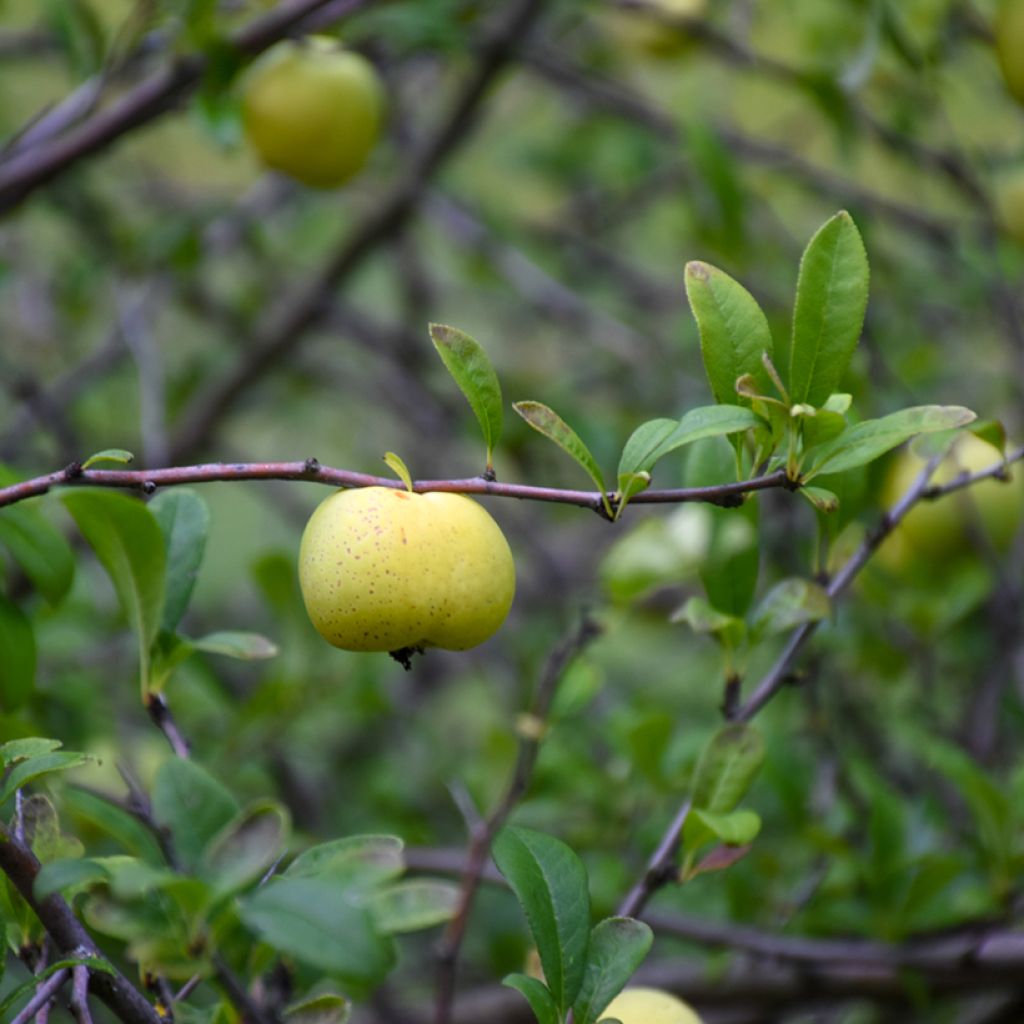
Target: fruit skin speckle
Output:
{"points": [[383, 570]]}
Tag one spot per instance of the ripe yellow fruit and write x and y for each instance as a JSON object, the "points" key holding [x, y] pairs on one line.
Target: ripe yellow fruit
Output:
{"points": [[312, 110], [649, 1006], [940, 529], [1009, 34], [383, 569], [650, 31]]}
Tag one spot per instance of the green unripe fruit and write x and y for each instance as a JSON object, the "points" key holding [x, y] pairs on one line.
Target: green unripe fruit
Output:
{"points": [[383, 569], [649, 1006], [312, 110], [1009, 34], [939, 530]]}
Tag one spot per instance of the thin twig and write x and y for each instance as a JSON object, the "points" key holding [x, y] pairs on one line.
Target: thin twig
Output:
{"points": [[80, 995], [46, 991], [530, 736]]}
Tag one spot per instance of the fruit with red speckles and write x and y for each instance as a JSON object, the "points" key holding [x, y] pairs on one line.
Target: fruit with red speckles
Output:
{"points": [[383, 569], [312, 110], [649, 1006]]}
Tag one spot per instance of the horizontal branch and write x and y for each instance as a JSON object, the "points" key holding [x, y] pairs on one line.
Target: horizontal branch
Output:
{"points": [[148, 480]]}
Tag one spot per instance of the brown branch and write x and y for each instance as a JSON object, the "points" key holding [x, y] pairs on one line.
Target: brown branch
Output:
{"points": [[288, 324], [484, 832], [147, 480], [27, 170], [20, 865]]}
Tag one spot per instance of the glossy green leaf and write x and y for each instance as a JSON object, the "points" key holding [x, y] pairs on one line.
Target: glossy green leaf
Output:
{"points": [[471, 369], [538, 995], [314, 920], [193, 806], [361, 862], [40, 550], [328, 1008], [865, 442], [17, 656], [547, 422], [244, 646], [130, 546], [413, 905], [119, 455], [727, 768], [734, 332], [831, 299], [36, 767], [184, 518], [618, 946], [550, 882], [397, 466], [788, 604], [653, 440], [246, 847]]}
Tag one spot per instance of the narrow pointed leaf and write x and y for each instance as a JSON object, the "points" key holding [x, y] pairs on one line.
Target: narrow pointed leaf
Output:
{"points": [[550, 882], [639, 453], [737, 828], [130, 546], [865, 442], [471, 369], [831, 298], [618, 946], [734, 331], [547, 422], [537, 994], [184, 519], [36, 767], [40, 550], [397, 466], [727, 767], [823, 500], [109, 455], [243, 646], [14, 751]]}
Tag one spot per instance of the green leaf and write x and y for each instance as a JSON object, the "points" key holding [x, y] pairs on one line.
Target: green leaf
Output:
{"points": [[653, 440], [361, 862], [538, 995], [40, 549], [14, 751], [822, 500], [727, 768], [17, 656], [866, 441], [328, 1008], [244, 646], [790, 603], [468, 364], [36, 767], [184, 519], [109, 455], [737, 828], [130, 546], [734, 332], [831, 298], [413, 905], [125, 829], [314, 920], [702, 617], [69, 873], [397, 466], [618, 946], [550, 882], [193, 806], [246, 847], [547, 422]]}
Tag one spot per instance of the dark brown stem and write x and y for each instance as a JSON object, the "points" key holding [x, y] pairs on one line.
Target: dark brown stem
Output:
{"points": [[69, 936]]}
